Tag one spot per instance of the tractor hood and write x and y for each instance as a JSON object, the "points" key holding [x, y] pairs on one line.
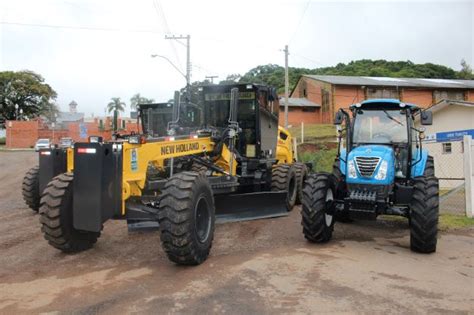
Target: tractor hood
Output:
{"points": [[371, 164]]}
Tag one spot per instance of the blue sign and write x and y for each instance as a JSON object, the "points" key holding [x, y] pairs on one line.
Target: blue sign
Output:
{"points": [[454, 135], [134, 160], [82, 131]]}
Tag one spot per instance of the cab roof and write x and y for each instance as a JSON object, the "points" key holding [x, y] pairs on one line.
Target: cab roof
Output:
{"points": [[383, 103]]}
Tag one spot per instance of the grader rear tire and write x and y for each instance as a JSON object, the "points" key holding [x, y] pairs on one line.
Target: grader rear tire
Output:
{"points": [[319, 192], [301, 175], [187, 216], [424, 214], [56, 217], [30, 188], [284, 178]]}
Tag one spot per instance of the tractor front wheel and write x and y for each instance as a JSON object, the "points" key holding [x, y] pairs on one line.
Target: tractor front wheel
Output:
{"points": [[318, 201], [187, 216], [56, 217], [30, 189], [284, 179], [424, 213]]}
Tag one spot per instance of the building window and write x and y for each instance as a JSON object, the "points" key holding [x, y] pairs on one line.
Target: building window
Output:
{"points": [[462, 146], [447, 149], [456, 95], [304, 93], [123, 124], [309, 109], [382, 93]]}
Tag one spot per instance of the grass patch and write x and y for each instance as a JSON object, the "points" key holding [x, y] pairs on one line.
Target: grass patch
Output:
{"points": [[314, 131], [322, 160], [449, 221]]}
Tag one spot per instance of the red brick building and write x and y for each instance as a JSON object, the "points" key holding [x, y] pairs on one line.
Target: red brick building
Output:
{"points": [[24, 134], [326, 94]]}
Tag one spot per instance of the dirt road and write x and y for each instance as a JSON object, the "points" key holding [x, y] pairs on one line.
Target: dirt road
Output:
{"points": [[258, 267]]}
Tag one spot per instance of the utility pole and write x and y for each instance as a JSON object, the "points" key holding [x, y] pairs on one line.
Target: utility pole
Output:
{"points": [[188, 59], [286, 85], [212, 77]]}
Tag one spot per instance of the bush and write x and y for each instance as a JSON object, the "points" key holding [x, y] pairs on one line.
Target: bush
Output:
{"points": [[322, 160]]}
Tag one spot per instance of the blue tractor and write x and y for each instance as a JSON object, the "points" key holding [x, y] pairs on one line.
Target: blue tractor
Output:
{"points": [[382, 169]]}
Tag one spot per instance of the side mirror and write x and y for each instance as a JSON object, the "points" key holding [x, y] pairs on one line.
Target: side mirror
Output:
{"points": [[338, 118], [426, 118]]}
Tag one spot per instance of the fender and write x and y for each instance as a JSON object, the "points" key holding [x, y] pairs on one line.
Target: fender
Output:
{"points": [[419, 168]]}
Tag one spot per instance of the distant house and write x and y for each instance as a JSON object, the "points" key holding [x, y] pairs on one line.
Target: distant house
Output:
{"points": [[330, 93], [452, 119], [299, 110]]}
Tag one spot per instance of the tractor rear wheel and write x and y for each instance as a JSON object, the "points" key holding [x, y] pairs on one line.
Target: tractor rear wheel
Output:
{"points": [[187, 216], [284, 179], [198, 168], [30, 188], [318, 199], [301, 175], [57, 217], [424, 213]]}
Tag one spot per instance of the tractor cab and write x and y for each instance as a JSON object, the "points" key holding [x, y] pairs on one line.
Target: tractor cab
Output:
{"points": [[155, 118]]}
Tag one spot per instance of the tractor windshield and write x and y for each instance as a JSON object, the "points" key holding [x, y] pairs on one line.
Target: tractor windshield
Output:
{"points": [[218, 104], [380, 126]]}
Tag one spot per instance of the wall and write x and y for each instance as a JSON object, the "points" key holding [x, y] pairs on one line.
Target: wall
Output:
{"points": [[296, 116], [24, 134], [422, 98]]}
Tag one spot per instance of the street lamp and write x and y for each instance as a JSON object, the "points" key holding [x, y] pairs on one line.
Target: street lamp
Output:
{"points": [[171, 63]]}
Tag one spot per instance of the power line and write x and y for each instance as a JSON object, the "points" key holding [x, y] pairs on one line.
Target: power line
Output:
{"points": [[301, 20], [82, 28]]}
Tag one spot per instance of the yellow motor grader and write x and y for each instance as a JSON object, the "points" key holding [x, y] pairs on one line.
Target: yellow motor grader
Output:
{"points": [[232, 133]]}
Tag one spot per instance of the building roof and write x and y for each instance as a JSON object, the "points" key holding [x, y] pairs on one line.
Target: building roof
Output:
{"points": [[298, 102], [444, 103], [385, 81], [68, 116]]}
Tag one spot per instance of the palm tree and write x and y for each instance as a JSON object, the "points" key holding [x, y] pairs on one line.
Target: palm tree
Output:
{"points": [[116, 105]]}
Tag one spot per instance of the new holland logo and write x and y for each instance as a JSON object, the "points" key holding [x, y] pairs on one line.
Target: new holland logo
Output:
{"points": [[368, 151]]}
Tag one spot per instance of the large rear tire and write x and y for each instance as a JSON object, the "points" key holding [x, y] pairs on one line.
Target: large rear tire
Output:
{"points": [[30, 188], [424, 214], [187, 216], [56, 217], [318, 198], [301, 174], [284, 179]]}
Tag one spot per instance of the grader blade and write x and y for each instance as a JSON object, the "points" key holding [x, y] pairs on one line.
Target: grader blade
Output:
{"points": [[250, 206]]}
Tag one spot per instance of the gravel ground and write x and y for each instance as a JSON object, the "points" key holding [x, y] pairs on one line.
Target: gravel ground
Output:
{"points": [[261, 267]]}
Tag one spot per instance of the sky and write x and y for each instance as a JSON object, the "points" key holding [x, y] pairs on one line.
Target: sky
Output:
{"points": [[92, 50]]}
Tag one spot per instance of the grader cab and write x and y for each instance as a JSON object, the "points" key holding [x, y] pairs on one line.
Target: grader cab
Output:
{"points": [[231, 134]]}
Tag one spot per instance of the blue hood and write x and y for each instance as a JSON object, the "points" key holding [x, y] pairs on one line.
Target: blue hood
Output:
{"points": [[385, 153]]}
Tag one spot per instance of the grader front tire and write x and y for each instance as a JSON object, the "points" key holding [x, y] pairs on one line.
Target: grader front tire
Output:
{"points": [[301, 175], [30, 188], [187, 217], [56, 217]]}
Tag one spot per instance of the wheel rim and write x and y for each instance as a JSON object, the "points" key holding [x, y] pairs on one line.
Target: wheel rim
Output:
{"points": [[329, 202], [202, 219]]}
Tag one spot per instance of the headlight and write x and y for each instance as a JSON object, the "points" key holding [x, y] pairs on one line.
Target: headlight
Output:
{"points": [[382, 173], [351, 169]]}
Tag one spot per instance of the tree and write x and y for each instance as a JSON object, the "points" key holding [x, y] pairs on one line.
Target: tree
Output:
{"points": [[466, 71], [28, 90], [138, 99], [116, 105]]}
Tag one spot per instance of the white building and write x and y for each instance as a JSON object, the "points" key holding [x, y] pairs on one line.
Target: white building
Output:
{"points": [[451, 121]]}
